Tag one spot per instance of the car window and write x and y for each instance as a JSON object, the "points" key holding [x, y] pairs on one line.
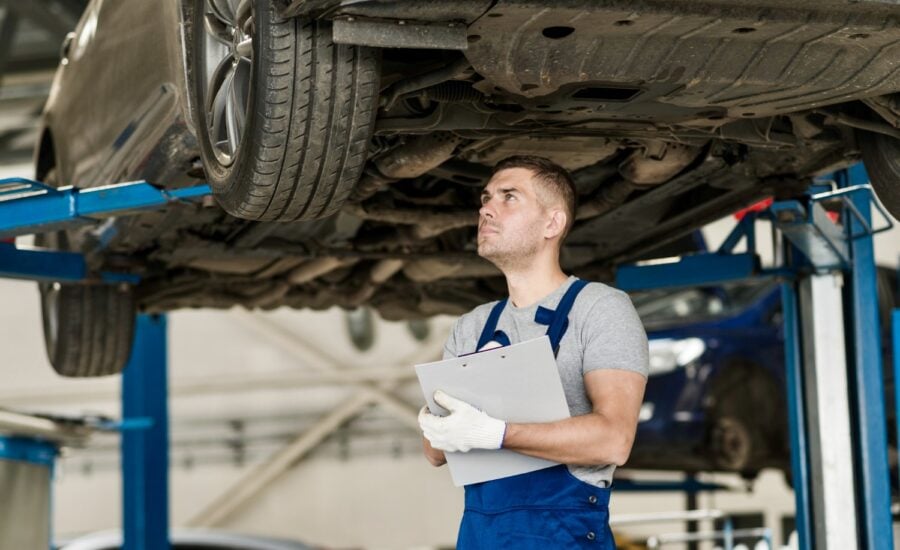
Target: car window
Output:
{"points": [[691, 305]]}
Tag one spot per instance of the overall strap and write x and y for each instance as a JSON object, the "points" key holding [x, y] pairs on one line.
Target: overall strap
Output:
{"points": [[487, 333], [561, 317]]}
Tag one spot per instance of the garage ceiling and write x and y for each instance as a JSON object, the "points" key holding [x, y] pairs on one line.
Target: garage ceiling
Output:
{"points": [[31, 34]]}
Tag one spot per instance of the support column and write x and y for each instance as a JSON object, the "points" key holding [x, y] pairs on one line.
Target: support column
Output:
{"points": [[793, 366], [867, 382], [145, 451], [831, 483]]}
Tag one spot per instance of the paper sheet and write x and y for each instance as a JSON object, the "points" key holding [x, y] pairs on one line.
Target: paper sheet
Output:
{"points": [[518, 383]]}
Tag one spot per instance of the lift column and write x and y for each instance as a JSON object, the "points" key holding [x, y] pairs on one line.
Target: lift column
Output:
{"points": [[145, 451]]}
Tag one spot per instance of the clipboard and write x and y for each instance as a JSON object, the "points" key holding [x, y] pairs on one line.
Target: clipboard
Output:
{"points": [[517, 383]]}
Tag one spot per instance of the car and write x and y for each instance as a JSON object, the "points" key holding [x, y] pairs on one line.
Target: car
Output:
{"points": [[188, 539], [716, 354], [346, 142]]}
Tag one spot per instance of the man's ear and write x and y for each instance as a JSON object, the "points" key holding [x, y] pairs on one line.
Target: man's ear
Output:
{"points": [[556, 223]]}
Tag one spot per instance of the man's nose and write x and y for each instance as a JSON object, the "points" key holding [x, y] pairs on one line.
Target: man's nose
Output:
{"points": [[486, 211]]}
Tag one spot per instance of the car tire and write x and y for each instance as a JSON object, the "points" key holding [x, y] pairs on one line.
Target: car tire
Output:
{"points": [[743, 437], [298, 148], [88, 328], [881, 156]]}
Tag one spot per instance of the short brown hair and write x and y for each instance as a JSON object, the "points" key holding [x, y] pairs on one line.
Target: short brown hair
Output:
{"points": [[552, 177]]}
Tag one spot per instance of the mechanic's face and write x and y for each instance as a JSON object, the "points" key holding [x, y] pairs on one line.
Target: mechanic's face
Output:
{"points": [[511, 219]]}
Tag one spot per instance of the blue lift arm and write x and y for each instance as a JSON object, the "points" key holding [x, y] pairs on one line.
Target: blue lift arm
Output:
{"points": [[28, 207]]}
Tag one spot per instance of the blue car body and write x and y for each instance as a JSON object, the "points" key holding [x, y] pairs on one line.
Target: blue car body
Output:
{"points": [[725, 409], [677, 420]]}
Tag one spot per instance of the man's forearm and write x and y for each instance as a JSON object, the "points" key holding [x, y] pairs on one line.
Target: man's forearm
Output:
{"points": [[585, 440]]}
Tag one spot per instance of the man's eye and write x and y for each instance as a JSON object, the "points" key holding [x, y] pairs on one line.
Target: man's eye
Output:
{"points": [[510, 196]]}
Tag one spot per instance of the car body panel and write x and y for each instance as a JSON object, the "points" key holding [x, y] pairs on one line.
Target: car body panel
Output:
{"points": [[135, 124]]}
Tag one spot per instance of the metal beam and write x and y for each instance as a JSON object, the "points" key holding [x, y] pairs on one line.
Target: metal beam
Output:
{"points": [[297, 345], [27, 206], [688, 271], [100, 390], [17, 424], [250, 484]]}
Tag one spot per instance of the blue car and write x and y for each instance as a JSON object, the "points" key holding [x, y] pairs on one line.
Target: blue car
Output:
{"points": [[716, 397]]}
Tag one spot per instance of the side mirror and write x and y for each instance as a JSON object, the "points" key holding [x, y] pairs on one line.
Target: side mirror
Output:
{"points": [[66, 45]]}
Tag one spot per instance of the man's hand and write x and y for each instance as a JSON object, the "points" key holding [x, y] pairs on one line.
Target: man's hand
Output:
{"points": [[435, 457], [464, 429]]}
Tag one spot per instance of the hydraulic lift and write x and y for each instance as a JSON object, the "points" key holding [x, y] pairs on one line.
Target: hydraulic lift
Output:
{"points": [[835, 383], [28, 207]]}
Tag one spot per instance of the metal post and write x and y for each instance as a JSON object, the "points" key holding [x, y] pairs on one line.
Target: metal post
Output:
{"points": [[796, 417], [145, 452], [873, 484], [895, 347], [832, 488], [690, 503]]}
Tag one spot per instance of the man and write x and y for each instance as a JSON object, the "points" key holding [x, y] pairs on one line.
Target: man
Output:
{"points": [[527, 208]]}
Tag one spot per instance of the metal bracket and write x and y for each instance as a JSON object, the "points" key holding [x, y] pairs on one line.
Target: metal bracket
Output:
{"points": [[808, 227], [28, 206]]}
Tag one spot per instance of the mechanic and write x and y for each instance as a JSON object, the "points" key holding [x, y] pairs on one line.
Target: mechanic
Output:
{"points": [[527, 209]]}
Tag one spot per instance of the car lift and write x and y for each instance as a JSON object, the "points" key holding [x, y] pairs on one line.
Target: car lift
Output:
{"points": [[838, 430], [836, 413], [28, 207]]}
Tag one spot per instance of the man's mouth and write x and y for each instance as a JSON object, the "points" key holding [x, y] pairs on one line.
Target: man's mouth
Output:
{"points": [[485, 229]]}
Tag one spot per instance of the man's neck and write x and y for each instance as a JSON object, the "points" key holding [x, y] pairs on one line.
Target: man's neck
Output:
{"points": [[529, 286]]}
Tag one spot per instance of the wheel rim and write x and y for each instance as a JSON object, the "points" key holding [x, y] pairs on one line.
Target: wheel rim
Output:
{"points": [[732, 443], [228, 66]]}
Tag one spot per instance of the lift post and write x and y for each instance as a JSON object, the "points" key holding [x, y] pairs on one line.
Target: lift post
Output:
{"points": [[145, 452], [28, 207], [835, 389]]}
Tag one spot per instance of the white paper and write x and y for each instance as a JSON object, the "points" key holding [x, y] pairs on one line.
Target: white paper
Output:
{"points": [[518, 383]]}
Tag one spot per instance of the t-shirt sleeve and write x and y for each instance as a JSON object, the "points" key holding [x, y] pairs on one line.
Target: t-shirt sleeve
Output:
{"points": [[450, 344], [614, 337]]}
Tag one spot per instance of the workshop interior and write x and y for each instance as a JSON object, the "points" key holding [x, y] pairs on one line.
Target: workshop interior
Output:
{"points": [[233, 231]]}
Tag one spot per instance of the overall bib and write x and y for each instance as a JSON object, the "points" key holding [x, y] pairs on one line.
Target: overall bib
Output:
{"points": [[541, 510]]}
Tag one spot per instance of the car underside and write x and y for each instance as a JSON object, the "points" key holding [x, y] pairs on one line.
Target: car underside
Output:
{"points": [[669, 114]]}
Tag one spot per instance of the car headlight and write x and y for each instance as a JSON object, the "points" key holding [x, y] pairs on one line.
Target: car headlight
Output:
{"points": [[668, 354]]}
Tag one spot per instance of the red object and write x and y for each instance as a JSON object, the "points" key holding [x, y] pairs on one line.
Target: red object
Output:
{"points": [[765, 203], [758, 207]]}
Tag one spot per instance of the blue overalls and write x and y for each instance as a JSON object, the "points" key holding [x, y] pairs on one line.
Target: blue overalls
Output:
{"points": [[541, 510]]}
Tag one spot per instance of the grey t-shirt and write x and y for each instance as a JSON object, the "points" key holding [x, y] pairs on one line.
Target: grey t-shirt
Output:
{"points": [[604, 332]]}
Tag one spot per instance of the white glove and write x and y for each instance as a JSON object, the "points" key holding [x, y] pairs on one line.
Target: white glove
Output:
{"points": [[464, 429]]}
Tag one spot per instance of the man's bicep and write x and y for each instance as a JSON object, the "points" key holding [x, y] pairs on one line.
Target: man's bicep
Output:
{"points": [[616, 394], [614, 337]]}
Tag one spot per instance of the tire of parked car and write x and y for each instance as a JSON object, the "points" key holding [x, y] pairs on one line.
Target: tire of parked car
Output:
{"points": [[743, 435], [881, 156], [284, 115], [88, 328]]}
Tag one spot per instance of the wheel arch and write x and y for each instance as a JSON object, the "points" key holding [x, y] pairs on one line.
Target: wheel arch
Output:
{"points": [[45, 155]]}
